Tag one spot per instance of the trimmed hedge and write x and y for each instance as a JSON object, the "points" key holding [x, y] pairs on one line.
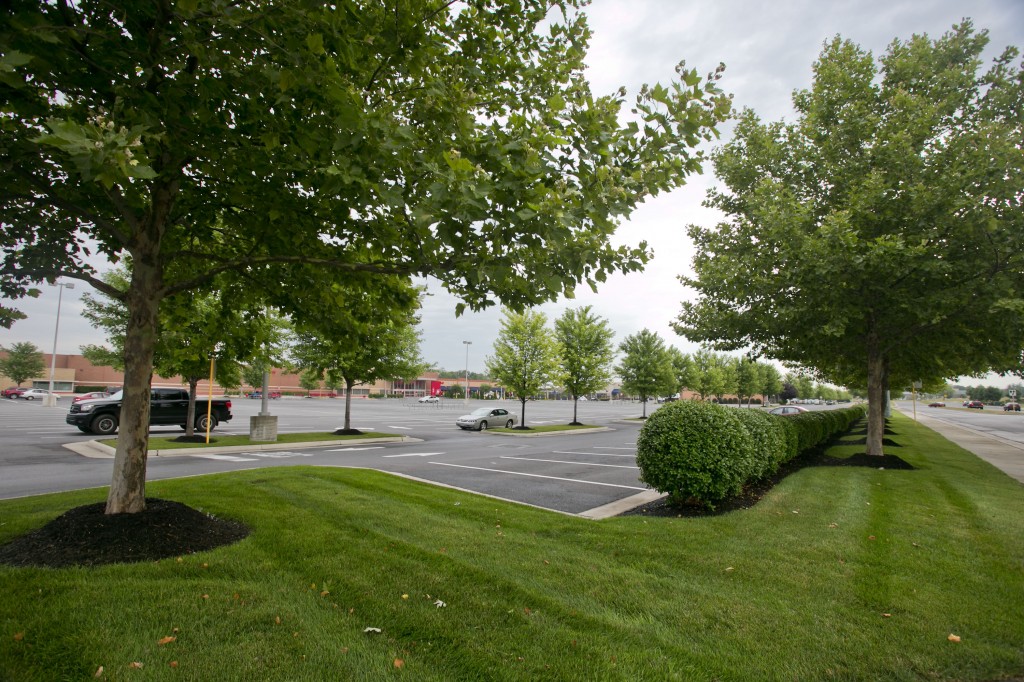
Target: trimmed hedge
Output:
{"points": [[706, 452], [695, 450]]}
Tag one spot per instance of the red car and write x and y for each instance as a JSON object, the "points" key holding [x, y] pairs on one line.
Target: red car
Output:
{"points": [[13, 392], [90, 396], [976, 404]]}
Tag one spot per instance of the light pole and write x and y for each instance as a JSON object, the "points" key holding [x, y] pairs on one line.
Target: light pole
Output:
{"points": [[51, 399], [467, 344]]}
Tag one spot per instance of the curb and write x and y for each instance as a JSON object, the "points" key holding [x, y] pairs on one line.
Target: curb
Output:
{"points": [[97, 450]]}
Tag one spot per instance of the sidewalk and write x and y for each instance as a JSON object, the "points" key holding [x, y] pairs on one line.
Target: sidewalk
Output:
{"points": [[1004, 454]]}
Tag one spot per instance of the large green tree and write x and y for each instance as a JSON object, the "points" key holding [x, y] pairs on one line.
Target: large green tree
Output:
{"points": [[525, 356], [373, 136], [645, 368], [585, 352], [23, 362], [879, 238]]}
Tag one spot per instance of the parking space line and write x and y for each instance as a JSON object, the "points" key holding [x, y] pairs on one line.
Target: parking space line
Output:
{"points": [[609, 447], [560, 461], [416, 454], [553, 478], [369, 447], [227, 458], [589, 454]]}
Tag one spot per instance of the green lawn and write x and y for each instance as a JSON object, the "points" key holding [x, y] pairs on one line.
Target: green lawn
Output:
{"points": [[839, 573]]}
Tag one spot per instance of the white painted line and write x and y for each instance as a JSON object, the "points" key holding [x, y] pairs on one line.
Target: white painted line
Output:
{"points": [[560, 461], [553, 478], [588, 454], [371, 447], [227, 458], [279, 455], [609, 447], [404, 428], [418, 454]]}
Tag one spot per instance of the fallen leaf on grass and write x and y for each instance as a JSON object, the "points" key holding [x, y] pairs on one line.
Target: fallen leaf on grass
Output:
{"points": [[954, 638], [871, 537], [99, 672], [405, 596], [440, 604], [173, 664], [324, 593], [886, 615], [166, 640], [277, 619], [206, 596], [18, 636], [375, 631], [399, 663], [136, 664]]}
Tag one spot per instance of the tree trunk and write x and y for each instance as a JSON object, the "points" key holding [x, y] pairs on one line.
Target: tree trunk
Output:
{"points": [[877, 380], [190, 415], [643, 399], [128, 486], [575, 404], [348, 403], [522, 413]]}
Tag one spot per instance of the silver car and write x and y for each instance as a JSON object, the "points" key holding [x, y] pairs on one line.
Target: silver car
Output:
{"points": [[486, 417]]}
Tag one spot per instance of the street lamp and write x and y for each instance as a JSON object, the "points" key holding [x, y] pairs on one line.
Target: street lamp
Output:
{"points": [[51, 399], [467, 344]]}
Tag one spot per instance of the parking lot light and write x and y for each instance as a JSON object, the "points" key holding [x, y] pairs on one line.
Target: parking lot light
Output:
{"points": [[51, 399]]}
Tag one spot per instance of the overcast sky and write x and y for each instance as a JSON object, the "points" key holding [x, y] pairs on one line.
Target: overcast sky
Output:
{"points": [[768, 49]]}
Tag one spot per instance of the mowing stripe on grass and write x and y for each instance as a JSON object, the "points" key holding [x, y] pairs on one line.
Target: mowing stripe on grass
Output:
{"points": [[553, 478]]}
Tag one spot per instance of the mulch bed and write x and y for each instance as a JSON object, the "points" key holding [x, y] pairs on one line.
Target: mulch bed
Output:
{"points": [[753, 492], [85, 536]]}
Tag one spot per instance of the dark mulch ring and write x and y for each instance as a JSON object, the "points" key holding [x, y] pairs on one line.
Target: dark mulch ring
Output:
{"points": [[753, 492], [193, 439], [347, 432], [85, 536]]}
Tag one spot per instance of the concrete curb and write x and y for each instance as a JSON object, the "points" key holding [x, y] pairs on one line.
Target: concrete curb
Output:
{"points": [[1004, 454], [97, 450], [611, 509]]}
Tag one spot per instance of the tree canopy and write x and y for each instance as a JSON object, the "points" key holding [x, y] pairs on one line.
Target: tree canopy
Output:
{"points": [[23, 362], [880, 237], [525, 356], [585, 353], [646, 366], [284, 140]]}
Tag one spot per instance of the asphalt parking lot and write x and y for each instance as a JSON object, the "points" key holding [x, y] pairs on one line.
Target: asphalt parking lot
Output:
{"points": [[575, 473]]}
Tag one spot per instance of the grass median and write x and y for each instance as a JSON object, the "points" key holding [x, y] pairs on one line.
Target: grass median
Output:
{"points": [[838, 573]]}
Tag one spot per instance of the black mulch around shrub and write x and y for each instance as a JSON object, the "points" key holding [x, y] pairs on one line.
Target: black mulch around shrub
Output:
{"points": [[85, 536], [347, 432], [193, 439], [753, 492]]}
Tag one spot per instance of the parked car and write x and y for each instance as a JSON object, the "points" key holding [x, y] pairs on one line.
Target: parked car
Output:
{"points": [[936, 404], [89, 396], [482, 418], [13, 392], [787, 410], [429, 399], [975, 404], [273, 395], [1011, 407], [37, 394], [167, 406]]}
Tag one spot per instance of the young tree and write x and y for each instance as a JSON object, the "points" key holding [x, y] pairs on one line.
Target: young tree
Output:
{"points": [[709, 376], [880, 236], [358, 138], [525, 356], [646, 366], [585, 353], [23, 362], [683, 368], [771, 381], [310, 380], [375, 340], [748, 379]]}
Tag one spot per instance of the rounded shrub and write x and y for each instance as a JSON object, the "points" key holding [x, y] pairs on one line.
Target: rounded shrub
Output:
{"points": [[769, 439], [696, 450], [792, 435]]}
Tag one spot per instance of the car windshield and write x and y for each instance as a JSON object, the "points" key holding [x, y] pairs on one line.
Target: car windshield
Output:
{"points": [[481, 412]]}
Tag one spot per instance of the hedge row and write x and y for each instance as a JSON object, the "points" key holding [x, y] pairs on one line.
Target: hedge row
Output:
{"points": [[706, 452]]}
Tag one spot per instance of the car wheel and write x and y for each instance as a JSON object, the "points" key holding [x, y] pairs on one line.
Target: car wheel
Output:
{"points": [[509, 424], [482, 426], [201, 423], [104, 425], [28, 397]]}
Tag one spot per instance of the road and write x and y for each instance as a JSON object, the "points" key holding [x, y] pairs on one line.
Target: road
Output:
{"points": [[991, 421], [568, 473]]}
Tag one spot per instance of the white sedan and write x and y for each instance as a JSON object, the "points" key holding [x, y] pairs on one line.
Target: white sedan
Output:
{"points": [[483, 418], [429, 399], [37, 394]]}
